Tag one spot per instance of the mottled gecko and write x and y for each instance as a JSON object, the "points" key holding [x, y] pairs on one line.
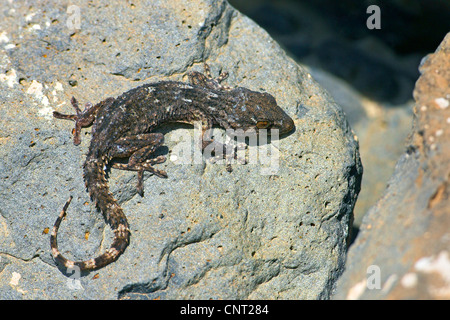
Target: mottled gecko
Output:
{"points": [[122, 128]]}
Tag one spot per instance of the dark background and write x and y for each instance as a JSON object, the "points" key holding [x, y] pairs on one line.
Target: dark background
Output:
{"points": [[333, 30]]}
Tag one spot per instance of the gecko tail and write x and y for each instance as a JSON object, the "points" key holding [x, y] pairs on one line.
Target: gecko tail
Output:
{"points": [[120, 242]]}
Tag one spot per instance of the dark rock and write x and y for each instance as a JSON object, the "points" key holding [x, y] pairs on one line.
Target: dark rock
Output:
{"points": [[402, 250], [203, 232]]}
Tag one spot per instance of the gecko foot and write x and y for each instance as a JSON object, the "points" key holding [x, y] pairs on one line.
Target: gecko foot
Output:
{"points": [[140, 149], [82, 118], [140, 168], [206, 80], [230, 152]]}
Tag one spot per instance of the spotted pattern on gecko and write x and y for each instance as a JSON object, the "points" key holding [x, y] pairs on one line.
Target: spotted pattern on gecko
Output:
{"points": [[123, 127]]}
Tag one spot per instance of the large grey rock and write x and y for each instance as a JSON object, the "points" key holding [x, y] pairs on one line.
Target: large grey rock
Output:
{"points": [[201, 233]]}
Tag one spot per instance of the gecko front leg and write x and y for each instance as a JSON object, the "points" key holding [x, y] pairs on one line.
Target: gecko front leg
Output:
{"points": [[220, 150], [206, 79]]}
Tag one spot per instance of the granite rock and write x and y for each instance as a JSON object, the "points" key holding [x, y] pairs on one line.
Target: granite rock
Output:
{"points": [[203, 233]]}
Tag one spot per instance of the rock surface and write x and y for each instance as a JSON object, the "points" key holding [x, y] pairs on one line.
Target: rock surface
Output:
{"points": [[402, 250], [203, 232]]}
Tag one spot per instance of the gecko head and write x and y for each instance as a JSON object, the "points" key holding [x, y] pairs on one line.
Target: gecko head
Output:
{"points": [[257, 110]]}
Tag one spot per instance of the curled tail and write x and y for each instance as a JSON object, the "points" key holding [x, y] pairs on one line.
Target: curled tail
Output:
{"points": [[99, 191]]}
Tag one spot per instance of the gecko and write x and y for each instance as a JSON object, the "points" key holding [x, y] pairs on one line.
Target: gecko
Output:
{"points": [[123, 127]]}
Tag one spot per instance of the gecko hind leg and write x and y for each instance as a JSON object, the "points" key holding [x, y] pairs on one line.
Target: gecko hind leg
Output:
{"points": [[140, 149], [82, 118]]}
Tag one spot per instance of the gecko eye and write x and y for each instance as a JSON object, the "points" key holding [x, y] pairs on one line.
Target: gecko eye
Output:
{"points": [[263, 124]]}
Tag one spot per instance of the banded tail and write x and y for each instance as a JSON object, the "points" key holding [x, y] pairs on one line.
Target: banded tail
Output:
{"points": [[99, 191]]}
